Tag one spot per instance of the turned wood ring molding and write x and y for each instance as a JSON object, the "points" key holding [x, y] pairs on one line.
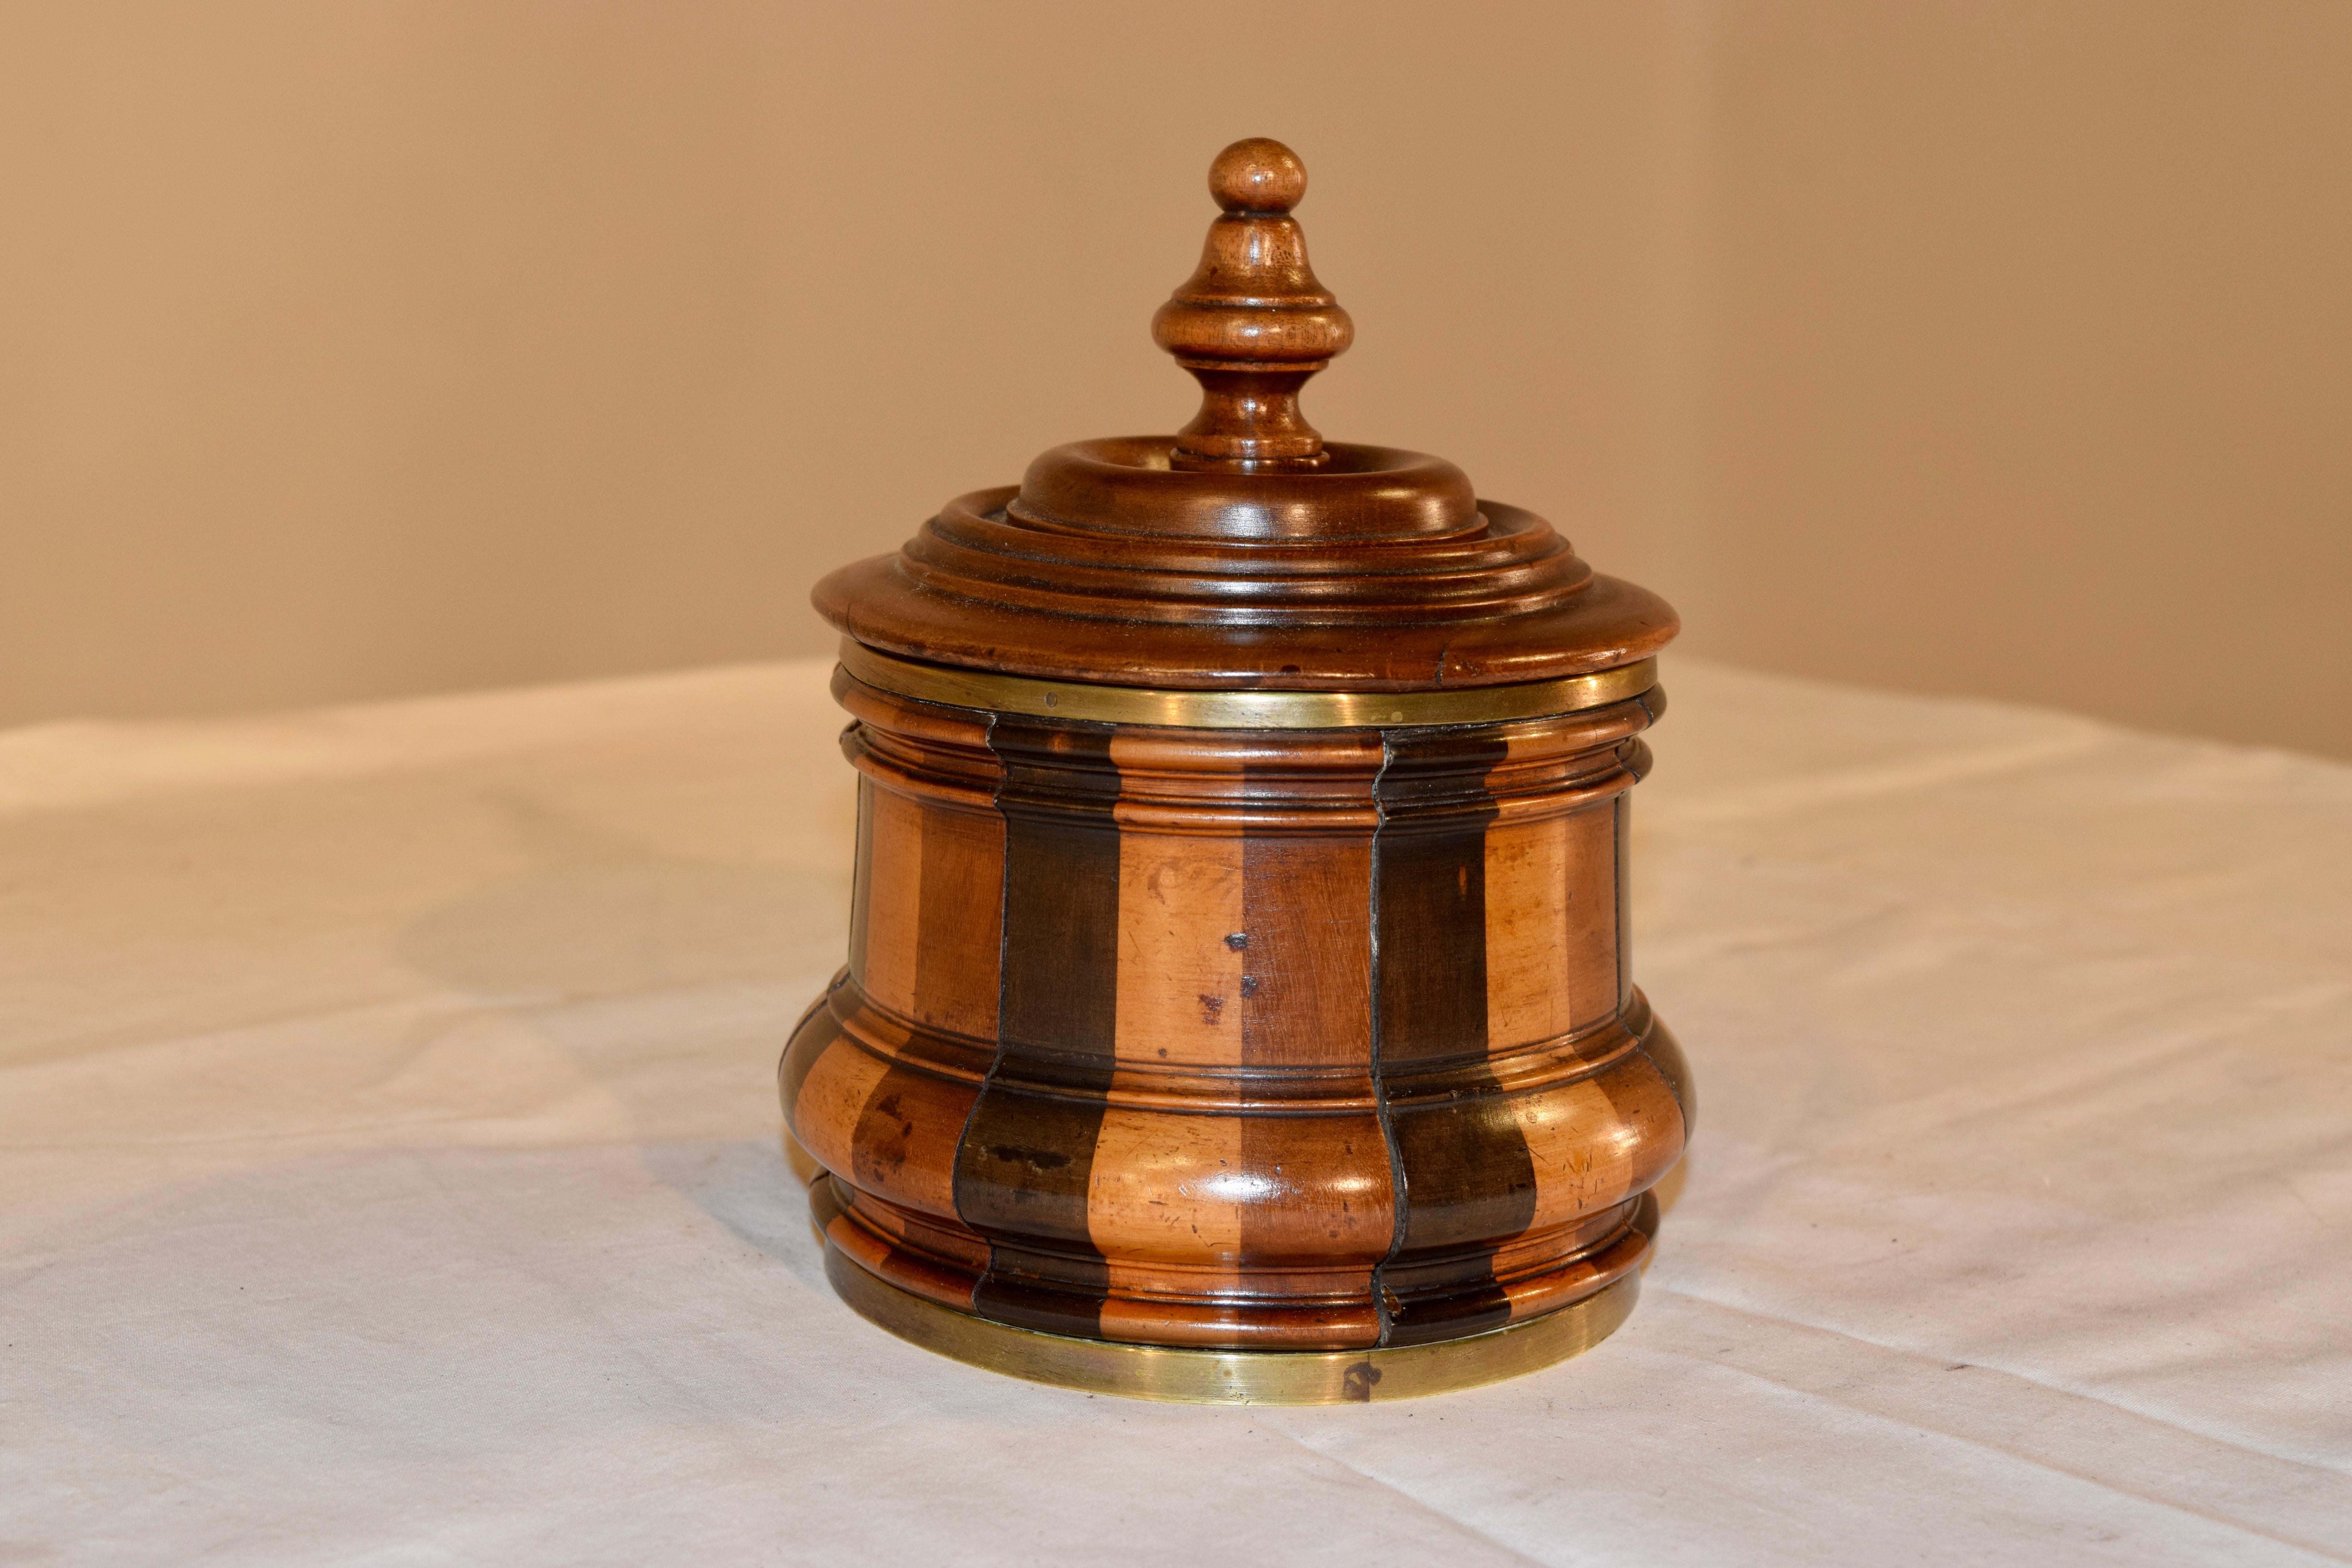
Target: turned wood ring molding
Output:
{"points": [[1255, 710], [1198, 1376]]}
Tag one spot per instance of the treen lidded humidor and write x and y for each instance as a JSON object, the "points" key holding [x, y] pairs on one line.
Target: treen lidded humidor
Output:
{"points": [[1238, 1003]]}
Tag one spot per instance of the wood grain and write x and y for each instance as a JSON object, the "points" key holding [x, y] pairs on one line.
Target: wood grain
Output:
{"points": [[1297, 1038]]}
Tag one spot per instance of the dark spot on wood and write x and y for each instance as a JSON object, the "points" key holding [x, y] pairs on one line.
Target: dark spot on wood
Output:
{"points": [[1035, 1159], [1238, 940], [1211, 1008]]}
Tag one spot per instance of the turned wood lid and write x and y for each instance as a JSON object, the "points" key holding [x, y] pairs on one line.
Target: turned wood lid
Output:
{"points": [[1245, 550]]}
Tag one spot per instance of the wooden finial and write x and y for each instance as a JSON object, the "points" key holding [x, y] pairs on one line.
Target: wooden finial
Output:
{"points": [[1252, 323]]}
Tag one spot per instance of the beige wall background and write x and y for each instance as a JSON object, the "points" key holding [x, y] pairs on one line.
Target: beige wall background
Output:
{"points": [[356, 350]]}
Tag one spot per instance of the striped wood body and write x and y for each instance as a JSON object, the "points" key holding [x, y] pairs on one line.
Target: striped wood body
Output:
{"points": [[1306, 1039]]}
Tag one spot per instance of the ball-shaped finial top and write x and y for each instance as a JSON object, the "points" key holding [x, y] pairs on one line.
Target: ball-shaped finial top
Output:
{"points": [[1252, 323], [1257, 175]]}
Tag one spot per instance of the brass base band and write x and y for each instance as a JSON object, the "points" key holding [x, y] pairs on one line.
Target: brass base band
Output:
{"points": [[1236, 1377], [1251, 710]]}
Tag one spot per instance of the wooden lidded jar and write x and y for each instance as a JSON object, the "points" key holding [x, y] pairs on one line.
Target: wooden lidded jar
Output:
{"points": [[1238, 1004]]}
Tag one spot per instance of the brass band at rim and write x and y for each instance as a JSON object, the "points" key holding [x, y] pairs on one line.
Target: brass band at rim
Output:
{"points": [[1236, 1377], [1242, 709]]}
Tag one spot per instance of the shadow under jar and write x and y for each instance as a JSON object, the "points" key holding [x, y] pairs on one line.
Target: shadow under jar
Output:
{"points": [[1238, 1004]]}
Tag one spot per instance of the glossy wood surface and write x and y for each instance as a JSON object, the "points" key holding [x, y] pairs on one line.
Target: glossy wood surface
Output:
{"points": [[1302, 1039], [1252, 323], [1306, 1040], [1246, 550]]}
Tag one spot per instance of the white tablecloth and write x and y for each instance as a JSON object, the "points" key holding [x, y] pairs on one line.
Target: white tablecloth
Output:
{"points": [[390, 1168]]}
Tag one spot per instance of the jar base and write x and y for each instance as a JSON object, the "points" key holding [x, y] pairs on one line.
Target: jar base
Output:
{"points": [[1235, 1377]]}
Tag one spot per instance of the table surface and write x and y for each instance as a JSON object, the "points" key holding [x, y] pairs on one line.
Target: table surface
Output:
{"points": [[394, 1173]]}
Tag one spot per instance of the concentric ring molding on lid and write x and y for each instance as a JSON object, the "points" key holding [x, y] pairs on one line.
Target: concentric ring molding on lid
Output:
{"points": [[1247, 550]]}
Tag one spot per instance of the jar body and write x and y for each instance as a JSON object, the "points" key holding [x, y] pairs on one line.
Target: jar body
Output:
{"points": [[1239, 1039]]}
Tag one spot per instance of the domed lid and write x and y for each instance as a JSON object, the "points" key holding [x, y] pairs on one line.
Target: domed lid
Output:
{"points": [[1246, 551]]}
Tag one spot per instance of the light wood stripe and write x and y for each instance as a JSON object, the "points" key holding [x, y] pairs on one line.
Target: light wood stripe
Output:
{"points": [[1180, 980], [1529, 871], [893, 877]]}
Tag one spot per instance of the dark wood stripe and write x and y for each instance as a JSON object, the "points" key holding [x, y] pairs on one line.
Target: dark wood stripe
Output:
{"points": [[1061, 889], [1432, 920], [1025, 1159], [1054, 1293], [1468, 1178], [1468, 1182]]}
